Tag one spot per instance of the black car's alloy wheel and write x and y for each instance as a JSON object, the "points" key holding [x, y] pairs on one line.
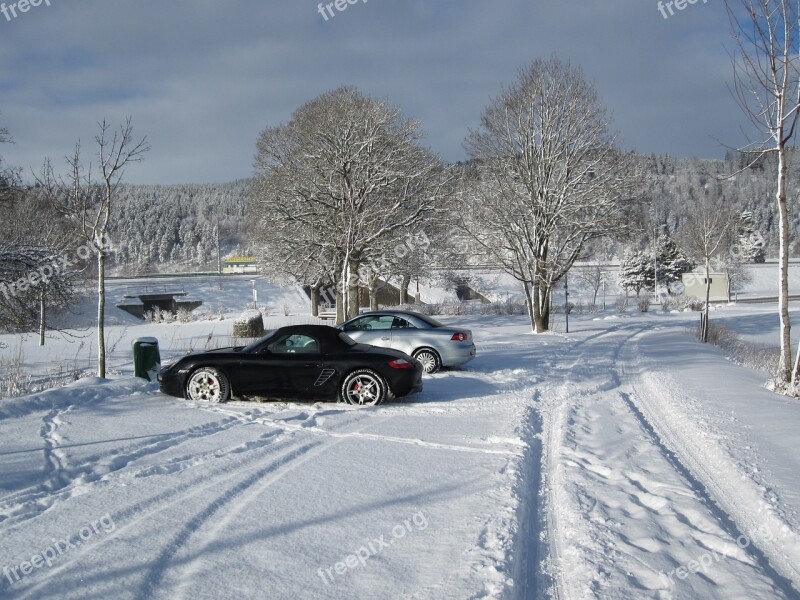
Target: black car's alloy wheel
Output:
{"points": [[364, 388], [207, 384]]}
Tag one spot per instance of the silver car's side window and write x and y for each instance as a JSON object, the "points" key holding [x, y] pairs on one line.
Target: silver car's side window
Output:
{"points": [[359, 324], [400, 323], [376, 322]]}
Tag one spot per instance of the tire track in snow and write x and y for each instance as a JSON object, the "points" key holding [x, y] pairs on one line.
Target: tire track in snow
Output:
{"points": [[62, 480], [107, 467], [235, 500], [552, 410], [281, 446], [167, 557], [730, 497], [726, 521], [566, 417], [308, 425], [130, 518]]}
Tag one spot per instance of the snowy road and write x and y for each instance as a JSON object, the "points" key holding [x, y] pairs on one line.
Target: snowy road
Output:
{"points": [[648, 495], [622, 461]]}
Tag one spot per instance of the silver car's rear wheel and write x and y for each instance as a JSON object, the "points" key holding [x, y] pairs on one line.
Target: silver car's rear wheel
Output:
{"points": [[429, 360], [208, 385], [364, 388]]}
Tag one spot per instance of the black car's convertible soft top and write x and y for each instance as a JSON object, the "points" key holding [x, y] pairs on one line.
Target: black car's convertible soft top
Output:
{"points": [[301, 361]]}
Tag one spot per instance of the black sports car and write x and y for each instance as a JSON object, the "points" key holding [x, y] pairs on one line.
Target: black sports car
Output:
{"points": [[301, 361]]}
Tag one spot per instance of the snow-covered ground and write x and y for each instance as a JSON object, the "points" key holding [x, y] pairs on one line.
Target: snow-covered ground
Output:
{"points": [[621, 460]]}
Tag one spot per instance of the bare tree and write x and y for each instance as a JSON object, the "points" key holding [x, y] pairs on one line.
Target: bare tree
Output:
{"points": [[9, 177], [767, 89], [289, 249], [709, 234], [594, 276], [345, 173], [38, 266], [89, 203], [546, 179], [31, 242]]}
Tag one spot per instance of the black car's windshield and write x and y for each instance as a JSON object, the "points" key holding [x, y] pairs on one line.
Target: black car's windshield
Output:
{"points": [[258, 342]]}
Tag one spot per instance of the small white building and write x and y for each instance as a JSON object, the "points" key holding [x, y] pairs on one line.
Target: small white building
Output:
{"points": [[240, 265], [694, 285]]}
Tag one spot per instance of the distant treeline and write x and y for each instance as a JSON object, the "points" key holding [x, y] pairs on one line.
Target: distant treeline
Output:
{"points": [[176, 228]]}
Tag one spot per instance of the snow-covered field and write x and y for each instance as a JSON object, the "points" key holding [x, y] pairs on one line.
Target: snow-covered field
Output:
{"points": [[623, 460]]}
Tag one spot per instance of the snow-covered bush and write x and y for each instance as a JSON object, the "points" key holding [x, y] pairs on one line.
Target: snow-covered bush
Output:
{"points": [[14, 381], [158, 315], [622, 304], [681, 302], [643, 303], [429, 309], [250, 324], [747, 354], [509, 307], [15, 384]]}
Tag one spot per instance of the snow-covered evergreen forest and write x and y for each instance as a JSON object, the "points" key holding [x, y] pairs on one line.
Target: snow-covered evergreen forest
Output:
{"points": [[172, 228], [675, 184], [177, 228]]}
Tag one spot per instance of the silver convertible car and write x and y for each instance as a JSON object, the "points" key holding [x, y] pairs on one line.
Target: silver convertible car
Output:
{"points": [[433, 344]]}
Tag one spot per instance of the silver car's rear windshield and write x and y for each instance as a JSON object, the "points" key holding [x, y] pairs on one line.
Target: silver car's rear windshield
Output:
{"points": [[430, 320]]}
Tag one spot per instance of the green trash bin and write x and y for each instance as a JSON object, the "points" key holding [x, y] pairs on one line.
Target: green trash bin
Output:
{"points": [[146, 358]]}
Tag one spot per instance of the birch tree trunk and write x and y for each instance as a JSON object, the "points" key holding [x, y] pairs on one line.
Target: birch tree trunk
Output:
{"points": [[783, 273], [767, 90], [705, 327], [101, 313], [42, 315]]}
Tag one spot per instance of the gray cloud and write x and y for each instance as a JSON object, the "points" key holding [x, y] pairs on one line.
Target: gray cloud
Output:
{"points": [[202, 78]]}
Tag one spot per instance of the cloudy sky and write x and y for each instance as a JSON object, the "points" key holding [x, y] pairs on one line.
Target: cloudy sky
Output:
{"points": [[202, 78]]}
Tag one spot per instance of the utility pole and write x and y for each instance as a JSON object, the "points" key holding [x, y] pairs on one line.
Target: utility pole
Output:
{"points": [[566, 302], [655, 266]]}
